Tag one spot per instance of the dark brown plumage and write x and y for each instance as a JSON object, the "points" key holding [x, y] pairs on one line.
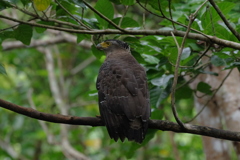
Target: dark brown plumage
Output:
{"points": [[123, 93]]}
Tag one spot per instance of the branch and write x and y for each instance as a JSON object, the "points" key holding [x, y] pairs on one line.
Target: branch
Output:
{"points": [[236, 34], [51, 40], [207, 38], [96, 121], [103, 17], [82, 65], [72, 15], [175, 79], [48, 19], [169, 19]]}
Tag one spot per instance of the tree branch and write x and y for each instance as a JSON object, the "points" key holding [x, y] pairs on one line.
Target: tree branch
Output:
{"points": [[72, 15], [52, 40], [103, 17], [96, 121], [236, 34], [195, 36]]}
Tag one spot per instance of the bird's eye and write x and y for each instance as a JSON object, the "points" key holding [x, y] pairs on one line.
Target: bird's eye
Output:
{"points": [[107, 44]]}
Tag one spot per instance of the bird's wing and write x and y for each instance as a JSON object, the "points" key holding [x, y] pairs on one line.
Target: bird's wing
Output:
{"points": [[123, 97]]}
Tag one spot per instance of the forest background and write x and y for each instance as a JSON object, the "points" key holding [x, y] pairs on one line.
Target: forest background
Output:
{"points": [[49, 63]]}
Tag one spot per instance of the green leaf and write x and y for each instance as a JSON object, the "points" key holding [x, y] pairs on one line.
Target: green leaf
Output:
{"points": [[183, 93], [134, 146], [116, 1], [162, 90], [208, 72], [138, 57], [41, 5], [157, 113], [216, 61], [4, 4], [71, 7], [2, 69], [81, 37], [162, 81], [157, 95], [40, 29], [185, 53], [25, 2], [233, 65], [79, 3], [127, 2], [97, 53], [126, 22], [150, 59], [7, 34], [222, 32], [24, 33], [211, 17], [106, 8], [204, 88]]}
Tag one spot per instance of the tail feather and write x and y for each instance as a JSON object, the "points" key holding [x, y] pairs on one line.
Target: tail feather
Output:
{"points": [[121, 128]]}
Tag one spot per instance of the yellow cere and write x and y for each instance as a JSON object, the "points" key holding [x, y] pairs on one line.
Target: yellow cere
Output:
{"points": [[105, 44]]}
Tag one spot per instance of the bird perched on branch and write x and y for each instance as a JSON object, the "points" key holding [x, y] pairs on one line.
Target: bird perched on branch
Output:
{"points": [[123, 93]]}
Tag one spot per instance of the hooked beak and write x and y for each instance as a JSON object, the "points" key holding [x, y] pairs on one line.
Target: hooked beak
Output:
{"points": [[99, 46]]}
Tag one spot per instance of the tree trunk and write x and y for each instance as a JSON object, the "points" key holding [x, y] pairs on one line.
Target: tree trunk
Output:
{"points": [[223, 110]]}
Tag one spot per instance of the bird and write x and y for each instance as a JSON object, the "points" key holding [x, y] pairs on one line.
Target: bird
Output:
{"points": [[123, 95]]}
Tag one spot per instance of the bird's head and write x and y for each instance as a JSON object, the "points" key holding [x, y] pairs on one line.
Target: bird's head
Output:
{"points": [[112, 44]]}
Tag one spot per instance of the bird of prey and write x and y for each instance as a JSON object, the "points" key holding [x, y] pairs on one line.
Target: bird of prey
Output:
{"points": [[123, 93]]}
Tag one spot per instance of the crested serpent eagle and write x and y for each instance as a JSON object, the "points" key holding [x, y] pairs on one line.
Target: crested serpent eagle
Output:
{"points": [[123, 93]]}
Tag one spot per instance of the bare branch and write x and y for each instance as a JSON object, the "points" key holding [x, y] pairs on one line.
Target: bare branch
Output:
{"points": [[59, 38], [175, 79], [96, 121], [200, 57], [82, 65]]}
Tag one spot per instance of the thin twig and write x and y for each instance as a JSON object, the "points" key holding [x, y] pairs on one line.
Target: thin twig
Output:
{"points": [[204, 53], [236, 34], [211, 97], [34, 9], [187, 82], [72, 15], [175, 40], [195, 13], [175, 79], [1, 30], [160, 9], [172, 20], [103, 17], [46, 19], [170, 12], [125, 12], [211, 19]]}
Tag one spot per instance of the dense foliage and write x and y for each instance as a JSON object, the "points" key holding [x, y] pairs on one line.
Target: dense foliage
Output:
{"points": [[25, 71]]}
